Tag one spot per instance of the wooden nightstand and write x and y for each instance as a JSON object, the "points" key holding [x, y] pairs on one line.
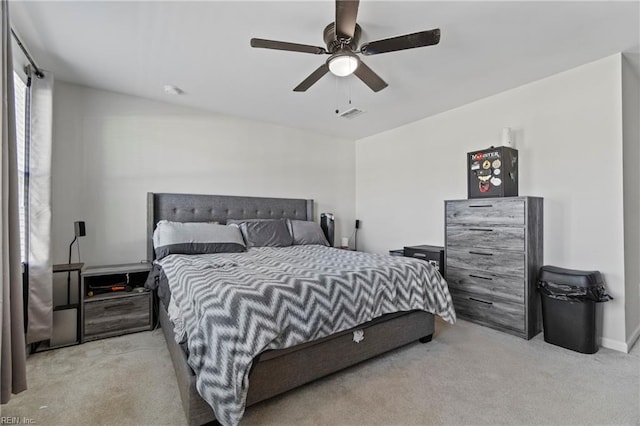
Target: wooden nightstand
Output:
{"points": [[106, 310], [431, 254]]}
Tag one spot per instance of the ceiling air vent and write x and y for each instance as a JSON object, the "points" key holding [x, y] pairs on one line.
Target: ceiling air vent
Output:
{"points": [[351, 113]]}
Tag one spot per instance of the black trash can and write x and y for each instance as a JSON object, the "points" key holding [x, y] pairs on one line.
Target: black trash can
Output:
{"points": [[571, 310]]}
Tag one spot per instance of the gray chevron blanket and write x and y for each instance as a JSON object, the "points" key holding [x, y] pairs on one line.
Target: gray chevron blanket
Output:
{"points": [[233, 306]]}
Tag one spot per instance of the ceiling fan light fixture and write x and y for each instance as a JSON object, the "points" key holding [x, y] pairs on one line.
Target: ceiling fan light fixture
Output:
{"points": [[343, 64], [342, 38]]}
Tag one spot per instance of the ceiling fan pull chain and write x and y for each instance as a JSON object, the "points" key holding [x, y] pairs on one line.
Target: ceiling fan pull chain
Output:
{"points": [[337, 99]]}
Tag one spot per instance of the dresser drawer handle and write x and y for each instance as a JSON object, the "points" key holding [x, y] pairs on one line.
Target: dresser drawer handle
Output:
{"points": [[481, 229], [481, 206], [482, 278], [480, 253], [419, 255], [481, 301]]}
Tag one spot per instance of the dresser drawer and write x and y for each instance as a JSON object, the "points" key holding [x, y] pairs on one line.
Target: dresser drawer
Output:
{"points": [[486, 212], [116, 315], [493, 261], [492, 312], [494, 237], [486, 284]]}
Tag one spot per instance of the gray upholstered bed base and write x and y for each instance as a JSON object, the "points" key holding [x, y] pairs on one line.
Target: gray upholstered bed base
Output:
{"points": [[278, 371], [282, 370]]}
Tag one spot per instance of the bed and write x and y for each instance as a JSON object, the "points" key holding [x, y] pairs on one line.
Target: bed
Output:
{"points": [[279, 370]]}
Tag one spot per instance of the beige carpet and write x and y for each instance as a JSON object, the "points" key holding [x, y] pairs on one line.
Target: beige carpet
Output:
{"points": [[468, 375]]}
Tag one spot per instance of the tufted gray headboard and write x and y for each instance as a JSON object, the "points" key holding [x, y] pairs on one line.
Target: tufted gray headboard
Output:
{"points": [[219, 208]]}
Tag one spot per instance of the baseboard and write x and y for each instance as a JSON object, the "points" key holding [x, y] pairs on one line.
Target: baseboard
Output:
{"points": [[633, 338], [616, 345], [619, 346]]}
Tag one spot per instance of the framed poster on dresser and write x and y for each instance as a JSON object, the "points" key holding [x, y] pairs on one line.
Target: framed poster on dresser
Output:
{"points": [[493, 255]]}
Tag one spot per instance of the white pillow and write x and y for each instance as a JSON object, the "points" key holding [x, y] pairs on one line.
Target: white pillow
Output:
{"points": [[196, 238]]}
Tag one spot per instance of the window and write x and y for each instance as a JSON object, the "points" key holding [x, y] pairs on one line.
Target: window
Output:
{"points": [[21, 98]]}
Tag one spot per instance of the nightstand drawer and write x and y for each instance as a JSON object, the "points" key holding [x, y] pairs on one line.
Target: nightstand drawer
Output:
{"points": [[493, 237], [486, 284], [483, 212], [490, 312], [117, 315], [492, 261]]}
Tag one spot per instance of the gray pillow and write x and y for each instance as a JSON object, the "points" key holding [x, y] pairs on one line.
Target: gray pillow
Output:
{"points": [[307, 232], [264, 232], [196, 238]]}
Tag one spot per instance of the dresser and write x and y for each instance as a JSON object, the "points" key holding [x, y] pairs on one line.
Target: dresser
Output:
{"points": [[493, 254]]}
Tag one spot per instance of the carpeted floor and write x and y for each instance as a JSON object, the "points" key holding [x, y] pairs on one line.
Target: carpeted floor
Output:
{"points": [[468, 375]]}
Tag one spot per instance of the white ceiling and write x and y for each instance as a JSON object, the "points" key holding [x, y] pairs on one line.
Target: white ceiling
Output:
{"points": [[203, 48]]}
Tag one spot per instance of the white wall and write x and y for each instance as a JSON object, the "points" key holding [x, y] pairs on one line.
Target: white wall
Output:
{"points": [[111, 149], [631, 164], [568, 130]]}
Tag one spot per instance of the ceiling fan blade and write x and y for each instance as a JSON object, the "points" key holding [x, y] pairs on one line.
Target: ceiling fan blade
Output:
{"points": [[370, 78], [407, 41], [283, 45], [346, 16], [311, 80]]}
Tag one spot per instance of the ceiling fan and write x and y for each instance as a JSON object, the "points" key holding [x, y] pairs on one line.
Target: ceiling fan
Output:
{"points": [[342, 38]]}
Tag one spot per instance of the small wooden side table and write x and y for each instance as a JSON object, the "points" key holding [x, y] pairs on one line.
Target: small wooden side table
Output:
{"points": [[114, 301]]}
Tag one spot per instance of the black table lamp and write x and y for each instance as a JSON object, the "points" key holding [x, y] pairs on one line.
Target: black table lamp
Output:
{"points": [[80, 231]]}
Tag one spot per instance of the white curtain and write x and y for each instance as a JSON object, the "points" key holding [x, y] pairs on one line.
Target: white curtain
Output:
{"points": [[13, 375], [40, 303]]}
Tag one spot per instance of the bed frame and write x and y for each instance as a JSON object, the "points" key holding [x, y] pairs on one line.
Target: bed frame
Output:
{"points": [[275, 371]]}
